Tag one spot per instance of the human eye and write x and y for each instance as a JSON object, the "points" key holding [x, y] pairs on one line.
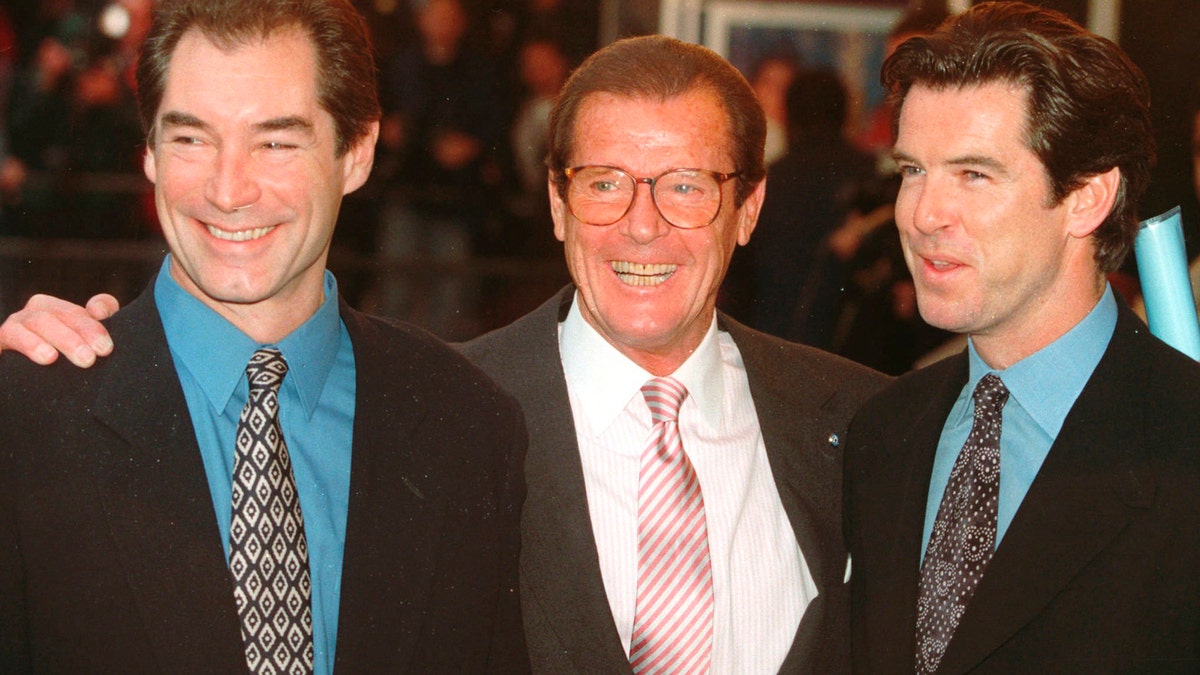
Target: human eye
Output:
{"points": [[688, 184], [184, 140], [604, 185], [909, 170], [601, 183]]}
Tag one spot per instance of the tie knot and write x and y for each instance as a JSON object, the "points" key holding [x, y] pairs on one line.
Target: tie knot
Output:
{"points": [[664, 395], [266, 369], [990, 394]]}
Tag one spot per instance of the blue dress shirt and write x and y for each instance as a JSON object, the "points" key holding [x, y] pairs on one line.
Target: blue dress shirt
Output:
{"points": [[316, 404], [1042, 389]]}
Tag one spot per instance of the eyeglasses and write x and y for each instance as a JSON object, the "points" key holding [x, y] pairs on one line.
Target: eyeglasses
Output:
{"points": [[686, 198]]}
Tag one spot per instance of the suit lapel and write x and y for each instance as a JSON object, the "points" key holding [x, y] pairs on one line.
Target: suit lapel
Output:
{"points": [[1079, 501], [900, 480], [806, 470], [157, 501], [567, 589], [795, 413], [394, 519]]}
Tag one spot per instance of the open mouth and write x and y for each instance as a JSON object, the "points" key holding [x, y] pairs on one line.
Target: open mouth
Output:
{"points": [[240, 235], [642, 274]]}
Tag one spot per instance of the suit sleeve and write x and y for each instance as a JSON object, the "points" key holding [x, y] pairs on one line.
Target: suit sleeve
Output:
{"points": [[508, 652], [14, 629]]}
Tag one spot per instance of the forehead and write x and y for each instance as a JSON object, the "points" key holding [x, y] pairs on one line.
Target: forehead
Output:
{"points": [[262, 78], [642, 134], [989, 118]]}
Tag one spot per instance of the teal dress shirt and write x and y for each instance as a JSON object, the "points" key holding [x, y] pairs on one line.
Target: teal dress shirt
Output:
{"points": [[1042, 389], [316, 404]]}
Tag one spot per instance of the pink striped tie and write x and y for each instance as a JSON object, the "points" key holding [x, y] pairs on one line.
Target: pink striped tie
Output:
{"points": [[672, 627]]}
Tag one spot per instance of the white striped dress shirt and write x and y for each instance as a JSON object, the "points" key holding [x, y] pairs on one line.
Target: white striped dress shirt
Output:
{"points": [[761, 582]]}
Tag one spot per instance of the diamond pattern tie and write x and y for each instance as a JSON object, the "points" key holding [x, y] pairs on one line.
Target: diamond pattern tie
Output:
{"points": [[964, 532], [672, 625], [268, 553]]}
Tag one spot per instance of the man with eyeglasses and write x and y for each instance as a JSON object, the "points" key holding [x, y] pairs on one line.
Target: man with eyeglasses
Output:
{"points": [[656, 174], [763, 586]]}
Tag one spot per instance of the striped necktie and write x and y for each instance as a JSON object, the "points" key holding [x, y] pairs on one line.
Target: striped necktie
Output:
{"points": [[673, 622]]}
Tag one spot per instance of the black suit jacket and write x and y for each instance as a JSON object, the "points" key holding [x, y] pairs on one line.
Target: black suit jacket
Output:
{"points": [[1098, 571], [804, 400], [110, 557]]}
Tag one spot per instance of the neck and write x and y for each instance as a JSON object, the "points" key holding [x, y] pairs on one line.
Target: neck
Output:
{"points": [[1000, 350]]}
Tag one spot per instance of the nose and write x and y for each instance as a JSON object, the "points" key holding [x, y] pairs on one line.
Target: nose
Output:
{"points": [[643, 223], [923, 207], [232, 185]]}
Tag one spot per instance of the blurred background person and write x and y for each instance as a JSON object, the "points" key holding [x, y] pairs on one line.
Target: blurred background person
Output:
{"points": [[73, 127], [794, 285], [770, 79], [543, 69], [445, 117]]}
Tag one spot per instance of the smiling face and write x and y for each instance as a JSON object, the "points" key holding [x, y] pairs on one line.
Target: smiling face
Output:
{"points": [[990, 255], [247, 180], [648, 287]]}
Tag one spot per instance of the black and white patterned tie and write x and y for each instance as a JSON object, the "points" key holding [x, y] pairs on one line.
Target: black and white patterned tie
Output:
{"points": [[964, 533], [268, 553]]}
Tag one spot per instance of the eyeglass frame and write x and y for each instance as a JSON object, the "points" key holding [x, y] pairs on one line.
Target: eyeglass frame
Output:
{"points": [[721, 177]]}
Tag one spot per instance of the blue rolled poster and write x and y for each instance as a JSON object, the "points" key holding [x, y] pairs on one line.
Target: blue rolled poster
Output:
{"points": [[1166, 288]]}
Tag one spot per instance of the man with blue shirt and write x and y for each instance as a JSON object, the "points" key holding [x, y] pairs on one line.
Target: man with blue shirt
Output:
{"points": [[1030, 505], [365, 479], [760, 425]]}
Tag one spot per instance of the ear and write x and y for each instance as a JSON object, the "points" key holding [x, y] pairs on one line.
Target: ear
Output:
{"points": [[1091, 203], [359, 159], [149, 167], [558, 209], [748, 213]]}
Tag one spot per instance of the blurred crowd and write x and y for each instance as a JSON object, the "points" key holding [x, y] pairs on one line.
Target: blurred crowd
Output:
{"points": [[465, 83], [467, 86]]}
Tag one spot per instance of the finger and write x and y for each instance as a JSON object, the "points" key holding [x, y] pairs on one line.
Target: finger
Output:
{"points": [[66, 333], [16, 337], [61, 326], [56, 319], [102, 306]]}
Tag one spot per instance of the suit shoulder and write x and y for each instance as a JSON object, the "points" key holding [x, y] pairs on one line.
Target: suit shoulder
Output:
{"points": [[414, 359], [912, 389], [804, 364]]}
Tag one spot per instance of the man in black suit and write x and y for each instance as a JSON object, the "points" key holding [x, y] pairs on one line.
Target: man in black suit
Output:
{"points": [[763, 419], [643, 304], [1063, 536], [123, 518]]}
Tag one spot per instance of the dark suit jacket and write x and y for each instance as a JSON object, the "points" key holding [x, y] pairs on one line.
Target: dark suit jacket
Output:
{"points": [[1098, 571], [110, 557], [803, 397]]}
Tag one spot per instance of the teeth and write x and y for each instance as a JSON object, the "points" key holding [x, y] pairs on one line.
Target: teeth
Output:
{"points": [[642, 274], [242, 235]]}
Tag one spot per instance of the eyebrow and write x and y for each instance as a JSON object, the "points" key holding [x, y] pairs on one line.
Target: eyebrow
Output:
{"points": [[965, 160], [175, 118]]}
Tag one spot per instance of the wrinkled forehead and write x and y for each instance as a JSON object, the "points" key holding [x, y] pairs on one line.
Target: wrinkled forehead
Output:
{"points": [[692, 129]]}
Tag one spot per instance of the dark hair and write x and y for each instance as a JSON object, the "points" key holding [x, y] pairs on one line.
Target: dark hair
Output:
{"points": [[660, 68], [345, 68], [1088, 104], [816, 102]]}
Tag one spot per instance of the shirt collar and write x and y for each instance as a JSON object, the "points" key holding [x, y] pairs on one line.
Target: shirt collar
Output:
{"points": [[604, 380], [1047, 382], [216, 352]]}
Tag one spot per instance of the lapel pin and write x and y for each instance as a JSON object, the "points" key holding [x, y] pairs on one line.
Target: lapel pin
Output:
{"points": [[834, 440]]}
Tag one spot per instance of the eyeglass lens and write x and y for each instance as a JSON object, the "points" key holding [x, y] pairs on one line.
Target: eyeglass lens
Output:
{"points": [[601, 195]]}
